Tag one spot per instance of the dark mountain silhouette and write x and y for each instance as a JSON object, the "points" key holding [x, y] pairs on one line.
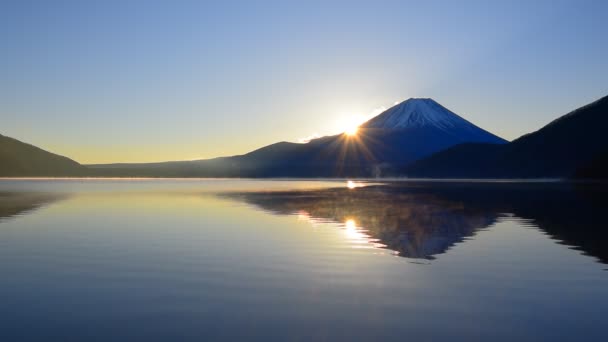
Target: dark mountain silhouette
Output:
{"points": [[569, 146], [597, 168], [416, 138], [18, 159], [411, 130]]}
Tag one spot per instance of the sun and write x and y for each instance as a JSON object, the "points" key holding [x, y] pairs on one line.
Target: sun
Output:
{"points": [[351, 130], [351, 126]]}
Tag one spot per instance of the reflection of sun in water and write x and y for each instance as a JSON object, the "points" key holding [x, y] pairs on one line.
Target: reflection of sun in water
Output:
{"points": [[355, 234], [351, 185], [303, 215], [350, 224], [359, 237]]}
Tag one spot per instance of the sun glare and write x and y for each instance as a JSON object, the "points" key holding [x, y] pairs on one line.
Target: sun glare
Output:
{"points": [[351, 129], [350, 125]]}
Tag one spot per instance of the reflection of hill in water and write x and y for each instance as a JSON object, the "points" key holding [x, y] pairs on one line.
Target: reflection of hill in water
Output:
{"points": [[421, 220], [18, 203]]}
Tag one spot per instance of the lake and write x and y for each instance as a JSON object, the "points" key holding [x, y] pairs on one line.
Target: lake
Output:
{"points": [[159, 260]]}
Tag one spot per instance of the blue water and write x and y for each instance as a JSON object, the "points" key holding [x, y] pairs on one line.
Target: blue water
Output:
{"points": [[158, 260]]}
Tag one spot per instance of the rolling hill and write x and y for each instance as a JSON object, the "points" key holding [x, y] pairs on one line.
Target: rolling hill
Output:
{"points": [[18, 159]]}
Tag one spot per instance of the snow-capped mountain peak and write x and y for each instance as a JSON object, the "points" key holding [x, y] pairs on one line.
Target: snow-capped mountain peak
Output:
{"points": [[426, 113], [416, 113]]}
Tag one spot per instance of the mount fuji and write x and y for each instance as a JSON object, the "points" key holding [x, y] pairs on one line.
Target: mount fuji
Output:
{"points": [[401, 135], [426, 113]]}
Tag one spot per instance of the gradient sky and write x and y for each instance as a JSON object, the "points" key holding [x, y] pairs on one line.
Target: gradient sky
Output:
{"points": [[130, 81]]}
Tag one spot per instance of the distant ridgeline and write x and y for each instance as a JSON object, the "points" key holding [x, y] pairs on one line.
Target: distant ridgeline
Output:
{"points": [[19, 159], [416, 138], [383, 146]]}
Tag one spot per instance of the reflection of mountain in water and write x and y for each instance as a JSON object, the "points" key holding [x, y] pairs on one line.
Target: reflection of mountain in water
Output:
{"points": [[18, 203], [415, 225], [421, 220]]}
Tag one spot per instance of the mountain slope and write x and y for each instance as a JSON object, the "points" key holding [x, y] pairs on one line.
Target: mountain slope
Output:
{"points": [[423, 113], [559, 149], [402, 134], [18, 159]]}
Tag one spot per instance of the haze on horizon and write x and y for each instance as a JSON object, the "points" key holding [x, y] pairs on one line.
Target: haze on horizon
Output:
{"points": [[146, 81]]}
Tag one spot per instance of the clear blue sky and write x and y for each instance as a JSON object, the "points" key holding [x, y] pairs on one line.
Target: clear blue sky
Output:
{"points": [[120, 81]]}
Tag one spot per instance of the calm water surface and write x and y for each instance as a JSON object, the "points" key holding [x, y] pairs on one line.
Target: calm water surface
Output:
{"points": [[158, 260]]}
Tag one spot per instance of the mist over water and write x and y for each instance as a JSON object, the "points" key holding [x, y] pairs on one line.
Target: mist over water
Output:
{"points": [[298, 260]]}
